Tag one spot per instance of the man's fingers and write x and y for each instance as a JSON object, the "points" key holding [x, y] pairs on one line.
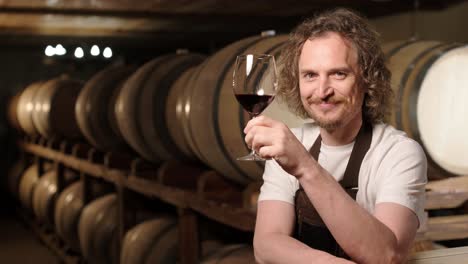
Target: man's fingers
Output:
{"points": [[259, 136], [266, 152], [261, 121]]}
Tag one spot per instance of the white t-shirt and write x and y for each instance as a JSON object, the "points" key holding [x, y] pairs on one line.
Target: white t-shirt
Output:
{"points": [[393, 170]]}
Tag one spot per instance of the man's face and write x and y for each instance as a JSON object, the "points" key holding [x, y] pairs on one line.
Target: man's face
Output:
{"points": [[328, 81]]}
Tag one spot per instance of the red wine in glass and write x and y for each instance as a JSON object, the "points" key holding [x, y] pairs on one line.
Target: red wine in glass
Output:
{"points": [[254, 85], [254, 104]]}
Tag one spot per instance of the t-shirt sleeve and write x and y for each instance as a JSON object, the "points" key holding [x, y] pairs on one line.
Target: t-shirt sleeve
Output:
{"points": [[277, 184], [404, 176]]}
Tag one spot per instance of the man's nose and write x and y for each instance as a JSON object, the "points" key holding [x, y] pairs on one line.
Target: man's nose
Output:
{"points": [[325, 89]]}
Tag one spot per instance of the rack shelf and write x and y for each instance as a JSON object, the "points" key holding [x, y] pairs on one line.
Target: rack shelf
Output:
{"points": [[230, 214]]}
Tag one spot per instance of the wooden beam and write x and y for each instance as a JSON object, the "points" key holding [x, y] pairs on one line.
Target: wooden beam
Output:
{"points": [[447, 228], [209, 7], [189, 239], [181, 28], [86, 18], [447, 193], [446, 256]]}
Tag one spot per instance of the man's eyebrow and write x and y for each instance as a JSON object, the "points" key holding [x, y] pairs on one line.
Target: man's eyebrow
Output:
{"points": [[341, 69], [336, 69], [307, 71]]}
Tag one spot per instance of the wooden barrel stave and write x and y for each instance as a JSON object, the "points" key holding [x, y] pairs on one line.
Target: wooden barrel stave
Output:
{"points": [[186, 101], [126, 108], [152, 108], [95, 108], [45, 195], [38, 116], [168, 248], [54, 111], [137, 104], [412, 65], [399, 65], [68, 209], [447, 146], [221, 139], [97, 230], [177, 116], [27, 185], [26, 108], [231, 254], [231, 131], [12, 113], [203, 124], [14, 177], [153, 241]]}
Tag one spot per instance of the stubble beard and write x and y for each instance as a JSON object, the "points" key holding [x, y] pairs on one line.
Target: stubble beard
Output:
{"points": [[329, 124], [338, 120]]}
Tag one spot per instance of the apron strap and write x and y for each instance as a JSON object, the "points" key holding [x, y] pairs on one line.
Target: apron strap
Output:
{"points": [[361, 146]]}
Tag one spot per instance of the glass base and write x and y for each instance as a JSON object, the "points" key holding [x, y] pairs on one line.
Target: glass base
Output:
{"points": [[251, 157]]}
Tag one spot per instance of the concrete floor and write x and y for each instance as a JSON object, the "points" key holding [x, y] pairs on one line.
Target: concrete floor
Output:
{"points": [[20, 245]]}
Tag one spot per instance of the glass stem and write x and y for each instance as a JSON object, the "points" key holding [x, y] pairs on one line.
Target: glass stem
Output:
{"points": [[252, 152]]}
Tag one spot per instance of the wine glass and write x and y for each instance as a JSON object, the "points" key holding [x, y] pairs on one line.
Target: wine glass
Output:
{"points": [[254, 83]]}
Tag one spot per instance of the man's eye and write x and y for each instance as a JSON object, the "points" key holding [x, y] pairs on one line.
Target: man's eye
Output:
{"points": [[340, 75], [309, 75]]}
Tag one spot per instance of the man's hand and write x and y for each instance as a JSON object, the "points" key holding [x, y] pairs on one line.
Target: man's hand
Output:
{"points": [[273, 139]]}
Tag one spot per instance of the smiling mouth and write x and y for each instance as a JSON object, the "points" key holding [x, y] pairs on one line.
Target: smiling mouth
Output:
{"points": [[326, 105], [328, 102]]}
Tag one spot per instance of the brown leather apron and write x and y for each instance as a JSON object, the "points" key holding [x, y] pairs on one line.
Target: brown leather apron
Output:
{"points": [[310, 229]]}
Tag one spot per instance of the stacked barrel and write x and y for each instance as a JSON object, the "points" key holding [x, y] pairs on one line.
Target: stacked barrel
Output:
{"points": [[47, 109], [175, 107], [429, 82], [181, 107], [155, 111]]}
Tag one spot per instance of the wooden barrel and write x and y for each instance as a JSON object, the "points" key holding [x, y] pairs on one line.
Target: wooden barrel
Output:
{"points": [[12, 113], [45, 195], [97, 230], [67, 213], [54, 110], [216, 120], [27, 184], [14, 177], [95, 108], [68, 210], [177, 113], [140, 107], [152, 241], [25, 108], [231, 254], [429, 82]]}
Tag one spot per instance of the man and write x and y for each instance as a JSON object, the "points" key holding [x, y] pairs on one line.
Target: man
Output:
{"points": [[308, 211]]}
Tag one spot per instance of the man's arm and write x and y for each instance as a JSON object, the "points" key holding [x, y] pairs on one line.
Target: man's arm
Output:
{"points": [[403, 223], [273, 242], [384, 237]]}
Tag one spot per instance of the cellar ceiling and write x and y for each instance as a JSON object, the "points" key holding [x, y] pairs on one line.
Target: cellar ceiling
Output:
{"points": [[165, 22]]}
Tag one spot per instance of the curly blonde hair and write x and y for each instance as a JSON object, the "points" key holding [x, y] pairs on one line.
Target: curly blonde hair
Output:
{"points": [[374, 74]]}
